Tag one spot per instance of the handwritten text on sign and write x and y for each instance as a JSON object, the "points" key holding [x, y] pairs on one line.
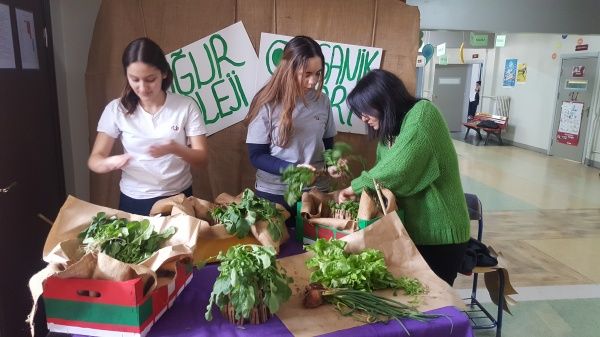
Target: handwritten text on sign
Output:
{"points": [[218, 72], [344, 65]]}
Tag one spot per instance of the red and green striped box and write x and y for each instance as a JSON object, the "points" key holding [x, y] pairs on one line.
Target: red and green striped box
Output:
{"points": [[114, 308]]}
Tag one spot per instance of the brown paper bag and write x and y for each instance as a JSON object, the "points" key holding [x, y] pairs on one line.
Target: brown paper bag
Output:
{"points": [[402, 258], [213, 238], [315, 209]]}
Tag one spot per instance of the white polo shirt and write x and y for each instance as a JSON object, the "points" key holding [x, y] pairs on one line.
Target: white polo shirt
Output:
{"points": [[146, 177]]}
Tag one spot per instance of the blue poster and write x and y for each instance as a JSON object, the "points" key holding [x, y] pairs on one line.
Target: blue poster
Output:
{"points": [[510, 73]]}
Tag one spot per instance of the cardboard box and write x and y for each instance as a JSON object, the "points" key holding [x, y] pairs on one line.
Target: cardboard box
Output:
{"points": [[109, 308]]}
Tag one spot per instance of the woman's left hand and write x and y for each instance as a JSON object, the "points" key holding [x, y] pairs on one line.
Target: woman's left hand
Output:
{"points": [[159, 150]]}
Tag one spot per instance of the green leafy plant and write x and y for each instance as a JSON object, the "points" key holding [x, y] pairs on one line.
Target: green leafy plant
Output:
{"points": [[249, 277], [344, 210], [238, 217], [334, 268], [335, 157], [296, 178], [122, 239]]}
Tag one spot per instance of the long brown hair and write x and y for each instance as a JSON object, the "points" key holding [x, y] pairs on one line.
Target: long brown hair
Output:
{"points": [[283, 88], [147, 51]]}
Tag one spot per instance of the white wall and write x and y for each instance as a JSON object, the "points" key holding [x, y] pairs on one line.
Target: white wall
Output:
{"points": [[533, 103], [72, 27]]}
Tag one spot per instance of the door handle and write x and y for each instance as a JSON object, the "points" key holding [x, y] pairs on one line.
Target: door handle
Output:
{"points": [[7, 188]]}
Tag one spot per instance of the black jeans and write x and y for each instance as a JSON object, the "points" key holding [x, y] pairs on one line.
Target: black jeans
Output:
{"points": [[444, 260], [143, 206]]}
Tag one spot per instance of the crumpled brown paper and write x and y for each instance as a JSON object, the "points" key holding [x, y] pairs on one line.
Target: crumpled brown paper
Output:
{"points": [[213, 238], [402, 258], [315, 208], [66, 259], [492, 281]]}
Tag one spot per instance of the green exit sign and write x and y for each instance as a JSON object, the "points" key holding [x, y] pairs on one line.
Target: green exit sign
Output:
{"points": [[478, 40]]}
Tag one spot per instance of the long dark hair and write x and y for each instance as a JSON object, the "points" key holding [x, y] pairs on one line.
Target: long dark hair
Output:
{"points": [[283, 87], [383, 95], [147, 51]]}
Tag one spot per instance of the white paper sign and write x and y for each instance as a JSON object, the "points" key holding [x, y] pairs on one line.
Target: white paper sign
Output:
{"points": [[441, 49], [219, 73], [570, 117], [345, 64], [7, 51], [27, 41]]}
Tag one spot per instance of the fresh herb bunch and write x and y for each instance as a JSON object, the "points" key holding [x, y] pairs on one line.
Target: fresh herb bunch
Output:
{"points": [[334, 156], [296, 178], [124, 240], [334, 268], [363, 306], [238, 217], [248, 277], [344, 210]]}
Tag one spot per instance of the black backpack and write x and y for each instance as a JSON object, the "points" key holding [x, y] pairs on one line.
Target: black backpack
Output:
{"points": [[476, 255], [488, 124]]}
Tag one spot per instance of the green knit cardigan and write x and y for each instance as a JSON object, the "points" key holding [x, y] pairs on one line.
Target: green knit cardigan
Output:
{"points": [[421, 169]]}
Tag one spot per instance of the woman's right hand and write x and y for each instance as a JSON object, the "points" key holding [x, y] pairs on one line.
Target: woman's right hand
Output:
{"points": [[346, 194], [100, 160], [117, 162]]}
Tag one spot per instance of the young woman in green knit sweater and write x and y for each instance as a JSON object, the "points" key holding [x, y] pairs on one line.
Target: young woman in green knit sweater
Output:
{"points": [[417, 161]]}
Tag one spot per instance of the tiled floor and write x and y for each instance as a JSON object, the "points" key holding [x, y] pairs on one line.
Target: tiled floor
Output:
{"points": [[543, 214]]}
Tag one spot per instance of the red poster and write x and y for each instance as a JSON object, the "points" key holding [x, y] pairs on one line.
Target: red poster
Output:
{"points": [[567, 138], [570, 123]]}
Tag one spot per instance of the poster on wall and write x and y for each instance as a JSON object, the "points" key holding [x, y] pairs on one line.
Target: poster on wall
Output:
{"points": [[218, 72], [7, 51], [578, 71], [522, 73], [344, 65], [27, 41], [510, 73], [569, 124]]}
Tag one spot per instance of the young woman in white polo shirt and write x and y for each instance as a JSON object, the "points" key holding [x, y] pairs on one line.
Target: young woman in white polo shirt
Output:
{"points": [[290, 120], [162, 133]]}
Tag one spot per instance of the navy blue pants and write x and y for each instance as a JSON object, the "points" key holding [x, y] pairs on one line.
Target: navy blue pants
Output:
{"points": [[143, 206], [276, 198]]}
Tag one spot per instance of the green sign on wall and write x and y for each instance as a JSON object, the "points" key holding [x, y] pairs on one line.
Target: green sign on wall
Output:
{"points": [[478, 40]]}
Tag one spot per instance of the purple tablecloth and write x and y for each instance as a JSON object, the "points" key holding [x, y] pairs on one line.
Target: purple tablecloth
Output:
{"points": [[186, 317]]}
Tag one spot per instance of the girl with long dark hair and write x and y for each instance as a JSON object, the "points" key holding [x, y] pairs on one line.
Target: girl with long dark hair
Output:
{"points": [[162, 133], [290, 120], [417, 161]]}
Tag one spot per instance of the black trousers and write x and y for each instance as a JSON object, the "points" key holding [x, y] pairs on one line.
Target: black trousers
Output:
{"points": [[444, 260]]}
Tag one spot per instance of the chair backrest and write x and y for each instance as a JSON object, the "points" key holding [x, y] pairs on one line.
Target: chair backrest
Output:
{"points": [[502, 107], [475, 212]]}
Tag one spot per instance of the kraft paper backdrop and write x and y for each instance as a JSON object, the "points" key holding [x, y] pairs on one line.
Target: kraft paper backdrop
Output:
{"points": [[388, 24], [402, 258]]}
